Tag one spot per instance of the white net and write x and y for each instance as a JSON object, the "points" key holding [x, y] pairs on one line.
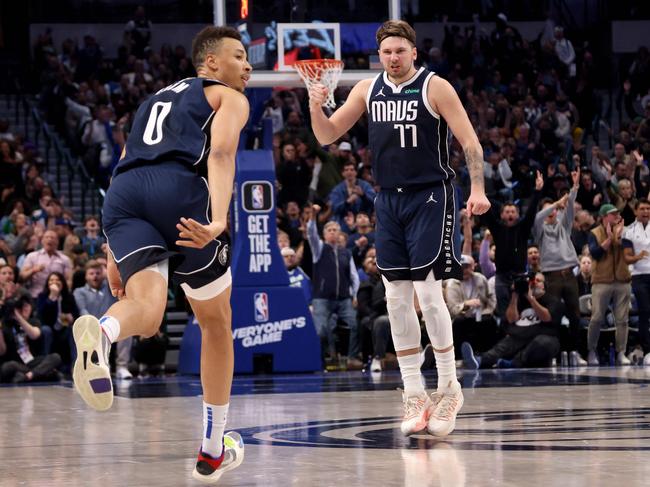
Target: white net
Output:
{"points": [[324, 71]]}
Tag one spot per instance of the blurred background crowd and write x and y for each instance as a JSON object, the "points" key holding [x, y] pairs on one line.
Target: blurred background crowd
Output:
{"points": [[561, 256]]}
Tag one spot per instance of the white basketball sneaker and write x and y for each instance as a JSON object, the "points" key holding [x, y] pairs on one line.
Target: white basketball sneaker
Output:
{"points": [[442, 419], [416, 413], [91, 373]]}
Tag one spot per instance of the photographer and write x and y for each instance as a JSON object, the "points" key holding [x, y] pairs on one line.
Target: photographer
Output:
{"points": [[532, 325], [18, 332], [8, 287]]}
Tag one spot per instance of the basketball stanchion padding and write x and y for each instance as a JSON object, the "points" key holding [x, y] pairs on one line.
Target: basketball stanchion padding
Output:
{"points": [[324, 71]]}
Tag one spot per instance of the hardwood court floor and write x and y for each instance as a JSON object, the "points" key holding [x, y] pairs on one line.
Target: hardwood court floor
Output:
{"points": [[544, 427]]}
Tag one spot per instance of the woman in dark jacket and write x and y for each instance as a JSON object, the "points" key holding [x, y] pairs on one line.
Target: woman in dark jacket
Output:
{"points": [[57, 311]]}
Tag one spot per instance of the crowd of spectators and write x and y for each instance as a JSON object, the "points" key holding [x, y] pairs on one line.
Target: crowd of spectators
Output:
{"points": [[52, 269], [562, 251]]}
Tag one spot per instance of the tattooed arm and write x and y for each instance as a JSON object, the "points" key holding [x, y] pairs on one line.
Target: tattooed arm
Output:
{"points": [[474, 161], [445, 101]]}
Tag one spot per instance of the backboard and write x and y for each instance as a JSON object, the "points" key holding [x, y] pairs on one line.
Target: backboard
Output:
{"points": [[313, 40]]}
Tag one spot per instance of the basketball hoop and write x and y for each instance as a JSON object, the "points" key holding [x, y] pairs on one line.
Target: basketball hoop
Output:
{"points": [[323, 71]]}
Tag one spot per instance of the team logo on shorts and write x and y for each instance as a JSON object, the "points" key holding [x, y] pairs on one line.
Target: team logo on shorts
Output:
{"points": [[257, 196], [261, 302], [223, 255]]}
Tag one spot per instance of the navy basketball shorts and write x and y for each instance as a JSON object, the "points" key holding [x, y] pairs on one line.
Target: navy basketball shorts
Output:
{"points": [[140, 213], [417, 233]]}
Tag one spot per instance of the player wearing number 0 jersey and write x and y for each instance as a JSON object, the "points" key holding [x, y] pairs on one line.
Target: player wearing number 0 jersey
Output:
{"points": [[161, 216], [410, 113]]}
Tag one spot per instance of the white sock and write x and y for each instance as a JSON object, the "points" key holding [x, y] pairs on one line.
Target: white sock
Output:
{"points": [[409, 366], [214, 424], [111, 327], [446, 366]]}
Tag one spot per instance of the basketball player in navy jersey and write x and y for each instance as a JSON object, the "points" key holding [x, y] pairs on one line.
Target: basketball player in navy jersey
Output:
{"points": [[410, 112], [161, 217]]}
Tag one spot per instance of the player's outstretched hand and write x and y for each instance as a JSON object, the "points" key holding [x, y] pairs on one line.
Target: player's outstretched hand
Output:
{"points": [[317, 95], [477, 204], [196, 235]]}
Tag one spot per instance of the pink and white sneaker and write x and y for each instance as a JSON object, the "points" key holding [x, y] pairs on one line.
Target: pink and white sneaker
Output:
{"points": [[416, 413], [447, 404]]}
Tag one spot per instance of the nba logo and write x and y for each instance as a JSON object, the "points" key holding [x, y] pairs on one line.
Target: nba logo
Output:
{"points": [[261, 301], [257, 192], [257, 196]]}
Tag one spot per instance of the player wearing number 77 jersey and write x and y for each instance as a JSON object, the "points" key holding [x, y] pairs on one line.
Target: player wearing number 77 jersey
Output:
{"points": [[409, 114], [162, 217]]}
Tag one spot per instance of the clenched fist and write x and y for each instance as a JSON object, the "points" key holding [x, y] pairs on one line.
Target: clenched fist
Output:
{"points": [[317, 95], [477, 204]]}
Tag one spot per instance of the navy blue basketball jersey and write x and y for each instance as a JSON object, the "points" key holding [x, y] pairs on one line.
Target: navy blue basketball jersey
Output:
{"points": [[171, 125], [407, 138]]}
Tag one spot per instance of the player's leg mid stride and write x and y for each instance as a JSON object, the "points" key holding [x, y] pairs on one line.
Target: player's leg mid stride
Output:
{"points": [[219, 453], [139, 314]]}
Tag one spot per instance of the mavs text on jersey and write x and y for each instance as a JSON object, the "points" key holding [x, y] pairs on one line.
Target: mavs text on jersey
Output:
{"points": [[407, 138]]}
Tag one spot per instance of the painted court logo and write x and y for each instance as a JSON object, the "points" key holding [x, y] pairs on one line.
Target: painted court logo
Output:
{"points": [[261, 303], [589, 429]]}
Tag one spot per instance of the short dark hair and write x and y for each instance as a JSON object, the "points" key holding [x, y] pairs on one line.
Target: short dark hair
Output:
{"points": [[208, 39], [395, 28], [641, 201], [23, 300]]}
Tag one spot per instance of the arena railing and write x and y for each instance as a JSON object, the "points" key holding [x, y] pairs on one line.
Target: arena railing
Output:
{"points": [[57, 156]]}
